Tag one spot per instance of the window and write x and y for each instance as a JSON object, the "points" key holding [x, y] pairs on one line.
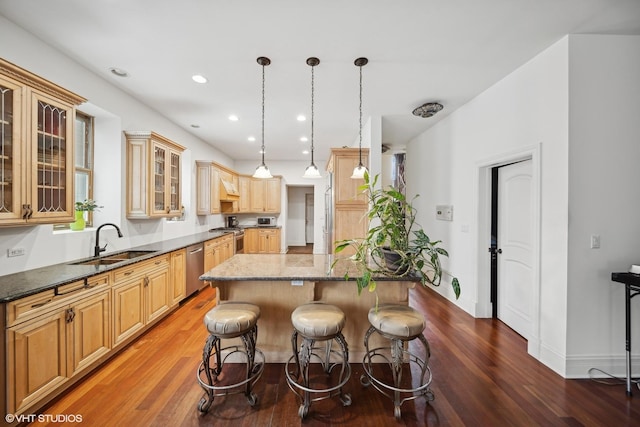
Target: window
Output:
{"points": [[83, 162]]}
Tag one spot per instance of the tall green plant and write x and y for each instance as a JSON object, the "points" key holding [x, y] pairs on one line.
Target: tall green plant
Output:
{"points": [[394, 230]]}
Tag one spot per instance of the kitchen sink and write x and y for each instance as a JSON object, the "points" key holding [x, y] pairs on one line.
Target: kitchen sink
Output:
{"points": [[113, 258]]}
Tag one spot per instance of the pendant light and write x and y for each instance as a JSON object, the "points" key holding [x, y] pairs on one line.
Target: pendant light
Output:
{"points": [[312, 170], [262, 171], [360, 170]]}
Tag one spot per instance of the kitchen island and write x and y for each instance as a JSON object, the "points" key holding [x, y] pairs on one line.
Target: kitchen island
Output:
{"points": [[278, 283]]}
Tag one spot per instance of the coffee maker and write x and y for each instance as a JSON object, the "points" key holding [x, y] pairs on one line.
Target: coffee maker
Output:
{"points": [[232, 221]]}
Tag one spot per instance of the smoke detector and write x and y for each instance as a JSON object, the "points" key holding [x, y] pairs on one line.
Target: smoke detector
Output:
{"points": [[428, 109]]}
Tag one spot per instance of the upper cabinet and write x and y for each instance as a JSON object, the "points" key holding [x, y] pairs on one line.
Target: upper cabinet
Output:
{"points": [[36, 149], [222, 190], [154, 188]]}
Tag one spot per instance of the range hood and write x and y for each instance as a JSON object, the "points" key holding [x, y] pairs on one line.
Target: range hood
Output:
{"points": [[228, 191]]}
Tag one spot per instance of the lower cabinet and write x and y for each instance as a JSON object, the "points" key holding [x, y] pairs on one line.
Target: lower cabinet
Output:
{"points": [[218, 250], [140, 295], [262, 241], [67, 336], [178, 290]]}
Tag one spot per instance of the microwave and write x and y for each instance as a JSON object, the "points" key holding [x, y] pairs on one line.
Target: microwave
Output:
{"points": [[266, 221]]}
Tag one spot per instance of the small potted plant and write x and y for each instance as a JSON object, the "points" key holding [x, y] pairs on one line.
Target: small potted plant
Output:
{"points": [[395, 245], [88, 205]]}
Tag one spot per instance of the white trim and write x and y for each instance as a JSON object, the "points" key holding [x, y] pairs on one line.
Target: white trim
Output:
{"points": [[483, 305]]}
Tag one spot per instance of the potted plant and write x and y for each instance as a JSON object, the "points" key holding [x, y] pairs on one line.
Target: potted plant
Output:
{"points": [[395, 245], [88, 205]]}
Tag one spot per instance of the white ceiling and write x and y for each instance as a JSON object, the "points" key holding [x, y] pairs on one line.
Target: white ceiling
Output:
{"points": [[418, 50]]}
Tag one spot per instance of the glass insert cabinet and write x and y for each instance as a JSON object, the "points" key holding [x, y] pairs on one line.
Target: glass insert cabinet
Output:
{"points": [[153, 175], [36, 149]]}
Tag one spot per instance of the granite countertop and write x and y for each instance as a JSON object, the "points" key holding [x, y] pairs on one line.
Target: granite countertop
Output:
{"points": [[19, 285], [285, 267]]}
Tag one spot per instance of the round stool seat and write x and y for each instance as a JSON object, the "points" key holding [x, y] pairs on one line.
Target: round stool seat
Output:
{"points": [[318, 320], [397, 321], [231, 319]]}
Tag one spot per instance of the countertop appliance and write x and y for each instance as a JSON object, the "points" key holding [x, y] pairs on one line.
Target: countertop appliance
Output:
{"points": [[195, 267], [232, 221], [267, 221]]}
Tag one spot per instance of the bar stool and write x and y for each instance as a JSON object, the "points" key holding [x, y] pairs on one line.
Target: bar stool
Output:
{"points": [[400, 324], [226, 321], [318, 322]]}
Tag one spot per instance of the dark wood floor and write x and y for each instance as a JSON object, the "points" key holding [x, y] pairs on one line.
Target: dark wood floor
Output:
{"points": [[482, 376], [307, 249]]}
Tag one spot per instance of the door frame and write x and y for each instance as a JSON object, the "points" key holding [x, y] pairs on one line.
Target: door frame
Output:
{"points": [[484, 167]]}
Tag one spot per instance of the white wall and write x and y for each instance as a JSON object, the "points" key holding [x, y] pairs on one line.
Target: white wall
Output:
{"points": [[578, 103], [604, 174], [528, 108], [115, 111]]}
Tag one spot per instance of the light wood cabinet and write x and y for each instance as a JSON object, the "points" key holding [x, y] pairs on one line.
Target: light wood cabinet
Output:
{"points": [[262, 240], [154, 188], [218, 250], [54, 338], [140, 295], [36, 148], [244, 186], [207, 188], [178, 276], [349, 204], [265, 195]]}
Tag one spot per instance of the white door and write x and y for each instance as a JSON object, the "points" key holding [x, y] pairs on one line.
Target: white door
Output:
{"points": [[308, 218], [515, 240]]}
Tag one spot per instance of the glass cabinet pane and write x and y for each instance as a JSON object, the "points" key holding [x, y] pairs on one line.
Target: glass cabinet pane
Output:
{"points": [[159, 178], [175, 182], [51, 159], [7, 157]]}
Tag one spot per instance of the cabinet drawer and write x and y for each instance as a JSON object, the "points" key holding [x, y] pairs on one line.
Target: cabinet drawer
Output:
{"points": [[140, 268], [35, 305]]}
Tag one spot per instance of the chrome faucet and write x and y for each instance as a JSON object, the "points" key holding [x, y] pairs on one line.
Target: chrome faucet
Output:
{"points": [[98, 249]]}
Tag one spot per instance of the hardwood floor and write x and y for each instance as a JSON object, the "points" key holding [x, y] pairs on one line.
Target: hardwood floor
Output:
{"points": [[307, 249], [482, 376]]}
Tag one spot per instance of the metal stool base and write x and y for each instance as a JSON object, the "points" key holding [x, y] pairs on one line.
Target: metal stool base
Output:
{"points": [[395, 356], [210, 383], [299, 380]]}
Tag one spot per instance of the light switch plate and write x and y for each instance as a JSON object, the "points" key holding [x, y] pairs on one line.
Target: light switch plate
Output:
{"points": [[444, 212]]}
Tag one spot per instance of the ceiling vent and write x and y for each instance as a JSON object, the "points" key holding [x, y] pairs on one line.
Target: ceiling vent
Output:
{"points": [[427, 110]]}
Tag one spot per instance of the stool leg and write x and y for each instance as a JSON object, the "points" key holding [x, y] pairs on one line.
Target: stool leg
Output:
{"points": [[249, 340], [397, 355], [345, 398], [428, 394], [212, 344]]}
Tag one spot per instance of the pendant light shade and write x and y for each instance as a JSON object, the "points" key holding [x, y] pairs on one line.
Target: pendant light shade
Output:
{"points": [[262, 171], [312, 170], [360, 170]]}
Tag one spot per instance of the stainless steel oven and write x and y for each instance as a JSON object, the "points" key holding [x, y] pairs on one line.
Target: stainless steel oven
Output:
{"points": [[240, 242]]}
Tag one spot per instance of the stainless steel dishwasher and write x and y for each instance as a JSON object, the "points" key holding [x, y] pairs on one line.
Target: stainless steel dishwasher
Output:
{"points": [[195, 268]]}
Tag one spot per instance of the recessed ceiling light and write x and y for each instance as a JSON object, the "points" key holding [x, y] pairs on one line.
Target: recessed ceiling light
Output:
{"points": [[199, 78], [301, 118], [118, 72], [251, 139], [233, 118], [195, 126], [304, 139]]}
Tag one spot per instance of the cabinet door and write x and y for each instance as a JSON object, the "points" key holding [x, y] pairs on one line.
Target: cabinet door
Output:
{"points": [[349, 222], [159, 156], [157, 293], [174, 195], [251, 241], [273, 244], [11, 96], [256, 201], [268, 241], [32, 375], [272, 195], [244, 184], [346, 188], [128, 309], [52, 180], [178, 276], [90, 331], [215, 190]]}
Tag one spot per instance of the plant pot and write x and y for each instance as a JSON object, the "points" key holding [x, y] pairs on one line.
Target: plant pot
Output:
{"points": [[79, 223], [393, 262]]}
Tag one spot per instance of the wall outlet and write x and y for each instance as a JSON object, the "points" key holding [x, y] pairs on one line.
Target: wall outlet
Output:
{"points": [[15, 252], [444, 212], [595, 241], [297, 283]]}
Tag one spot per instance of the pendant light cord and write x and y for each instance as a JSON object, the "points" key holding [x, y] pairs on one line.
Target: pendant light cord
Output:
{"points": [[263, 115], [360, 132], [312, 99]]}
